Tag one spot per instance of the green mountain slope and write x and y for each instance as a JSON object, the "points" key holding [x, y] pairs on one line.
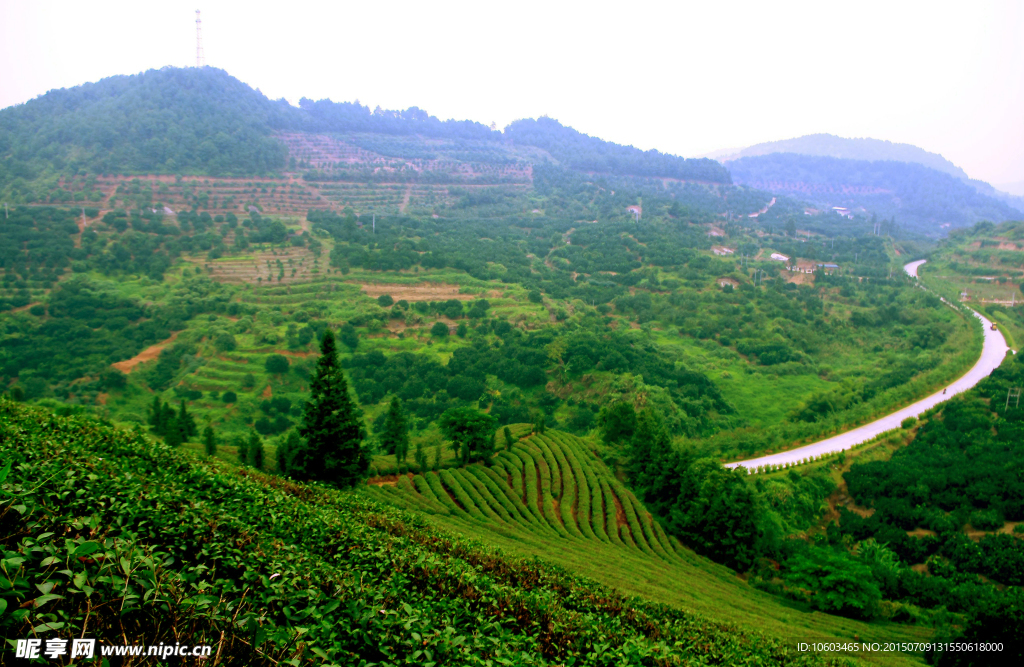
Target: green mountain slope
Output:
{"points": [[921, 199], [550, 496], [109, 534], [205, 121], [161, 121], [872, 150]]}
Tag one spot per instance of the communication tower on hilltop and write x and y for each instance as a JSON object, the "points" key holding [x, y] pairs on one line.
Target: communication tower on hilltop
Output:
{"points": [[200, 58]]}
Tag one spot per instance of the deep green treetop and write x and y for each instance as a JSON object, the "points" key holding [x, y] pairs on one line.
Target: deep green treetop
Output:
{"points": [[254, 451], [210, 440], [617, 422], [186, 424], [331, 426], [470, 431], [394, 434], [286, 451]]}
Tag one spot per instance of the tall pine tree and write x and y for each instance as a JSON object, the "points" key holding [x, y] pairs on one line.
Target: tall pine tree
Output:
{"points": [[186, 424], [332, 429], [210, 440], [156, 416], [394, 436], [286, 451], [254, 450]]}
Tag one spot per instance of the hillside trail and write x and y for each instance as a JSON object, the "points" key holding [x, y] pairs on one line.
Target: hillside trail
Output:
{"points": [[150, 353], [993, 352]]}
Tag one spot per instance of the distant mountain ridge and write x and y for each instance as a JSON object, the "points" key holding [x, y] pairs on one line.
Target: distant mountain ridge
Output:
{"points": [[871, 150], [918, 197]]}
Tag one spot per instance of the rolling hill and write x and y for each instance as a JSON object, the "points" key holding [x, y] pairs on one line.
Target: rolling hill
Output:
{"points": [[866, 149], [961, 212], [921, 199], [173, 120]]}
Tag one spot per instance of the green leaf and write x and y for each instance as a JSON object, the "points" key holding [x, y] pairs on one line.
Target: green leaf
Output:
{"points": [[3, 605], [80, 580], [126, 565], [320, 652], [87, 548], [49, 561], [4, 472], [43, 599], [45, 627]]}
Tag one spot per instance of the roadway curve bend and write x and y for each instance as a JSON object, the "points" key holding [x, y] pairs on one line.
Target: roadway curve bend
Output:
{"points": [[992, 354]]}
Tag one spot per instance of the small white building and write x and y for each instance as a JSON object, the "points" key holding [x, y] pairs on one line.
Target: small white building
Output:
{"points": [[779, 257]]}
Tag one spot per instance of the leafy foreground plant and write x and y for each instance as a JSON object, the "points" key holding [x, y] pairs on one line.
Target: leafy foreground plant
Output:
{"points": [[106, 534]]}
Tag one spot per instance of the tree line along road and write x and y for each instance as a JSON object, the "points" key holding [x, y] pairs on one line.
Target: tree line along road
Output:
{"points": [[992, 354]]}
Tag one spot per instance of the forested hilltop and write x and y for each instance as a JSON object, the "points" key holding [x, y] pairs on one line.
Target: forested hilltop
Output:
{"points": [[918, 198], [864, 149], [532, 338], [173, 121]]}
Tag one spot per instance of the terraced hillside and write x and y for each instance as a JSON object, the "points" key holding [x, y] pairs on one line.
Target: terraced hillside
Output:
{"points": [[110, 535], [984, 267], [550, 496], [548, 483]]}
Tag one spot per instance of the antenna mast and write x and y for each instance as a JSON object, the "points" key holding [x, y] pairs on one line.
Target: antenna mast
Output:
{"points": [[200, 58]]}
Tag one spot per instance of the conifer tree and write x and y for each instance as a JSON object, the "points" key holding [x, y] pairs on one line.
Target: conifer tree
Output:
{"points": [[286, 452], [509, 440], [168, 419], [254, 450], [421, 457], [333, 431], [172, 436], [242, 449], [210, 441], [156, 416], [184, 423], [395, 434]]}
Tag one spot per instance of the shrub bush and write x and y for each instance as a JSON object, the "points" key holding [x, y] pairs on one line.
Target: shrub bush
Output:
{"points": [[277, 364]]}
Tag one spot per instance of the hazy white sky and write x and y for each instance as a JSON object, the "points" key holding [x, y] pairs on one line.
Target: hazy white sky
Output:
{"points": [[682, 77]]}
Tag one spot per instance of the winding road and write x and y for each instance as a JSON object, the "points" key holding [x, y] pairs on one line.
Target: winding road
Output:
{"points": [[992, 354]]}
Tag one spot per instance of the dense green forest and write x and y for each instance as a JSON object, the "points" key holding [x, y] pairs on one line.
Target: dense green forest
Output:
{"points": [[583, 153], [919, 198], [161, 121]]}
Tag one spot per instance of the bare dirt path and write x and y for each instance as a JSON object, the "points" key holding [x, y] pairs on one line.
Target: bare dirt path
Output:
{"points": [[150, 353], [425, 291]]}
